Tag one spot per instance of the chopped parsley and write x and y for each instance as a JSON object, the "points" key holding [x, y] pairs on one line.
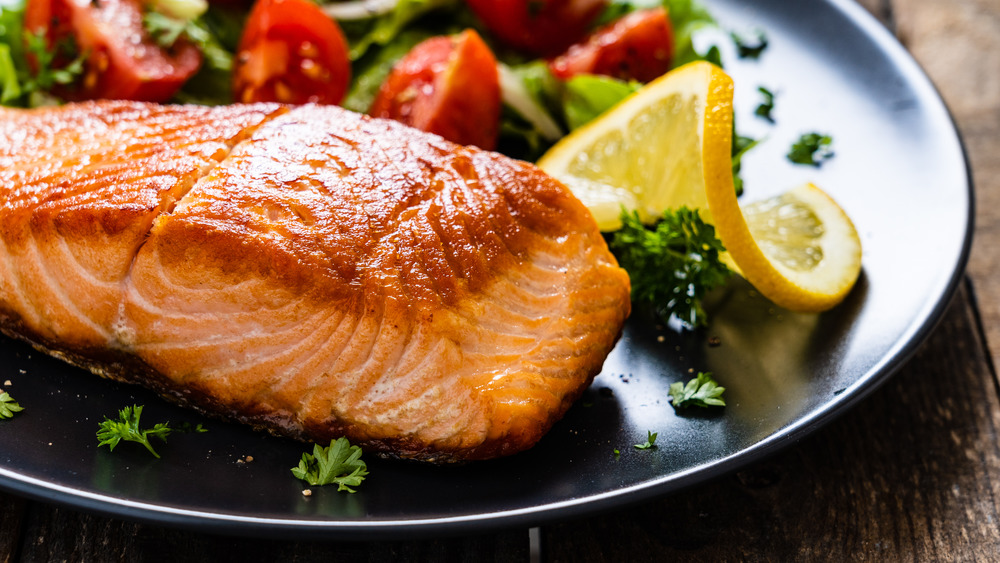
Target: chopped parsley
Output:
{"points": [[702, 391], [126, 428], [765, 108], [339, 463], [811, 149], [8, 406], [751, 45], [672, 265]]}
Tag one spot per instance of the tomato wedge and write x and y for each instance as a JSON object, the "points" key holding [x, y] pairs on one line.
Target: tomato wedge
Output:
{"points": [[123, 62], [638, 46], [448, 86], [291, 52], [539, 27]]}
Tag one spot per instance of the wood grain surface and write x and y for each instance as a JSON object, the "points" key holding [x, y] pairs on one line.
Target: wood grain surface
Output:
{"points": [[912, 473]]}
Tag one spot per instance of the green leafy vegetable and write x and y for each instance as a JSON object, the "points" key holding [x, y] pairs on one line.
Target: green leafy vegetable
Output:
{"points": [[750, 46], [21, 85], [686, 17], [8, 406], [765, 108], [650, 441], [672, 265], [383, 29], [371, 72], [166, 31], [588, 96], [702, 391], [126, 427], [811, 149], [339, 463]]}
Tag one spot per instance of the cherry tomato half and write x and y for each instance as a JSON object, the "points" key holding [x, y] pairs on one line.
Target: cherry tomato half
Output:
{"points": [[291, 52], [123, 62], [539, 27], [448, 86], [638, 46]]}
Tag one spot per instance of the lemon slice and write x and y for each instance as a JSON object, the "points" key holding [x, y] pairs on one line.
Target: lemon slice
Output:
{"points": [[657, 149], [799, 249], [669, 145]]}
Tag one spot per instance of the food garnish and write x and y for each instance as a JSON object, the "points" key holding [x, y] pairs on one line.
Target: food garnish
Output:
{"points": [[337, 464], [702, 391], [649, 443], [8, 406], [750, 45], [126, 427], [673, 265], [811, 149], [765, 108]]}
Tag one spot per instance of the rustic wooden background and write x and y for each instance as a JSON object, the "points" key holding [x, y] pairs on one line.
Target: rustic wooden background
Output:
{"points": [[923, 484]]}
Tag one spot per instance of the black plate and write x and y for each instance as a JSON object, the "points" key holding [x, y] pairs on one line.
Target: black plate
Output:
{"points": [[899, 172]]}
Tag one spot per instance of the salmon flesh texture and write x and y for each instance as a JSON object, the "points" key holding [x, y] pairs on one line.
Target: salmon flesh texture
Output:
{"points": [[308, 270]]}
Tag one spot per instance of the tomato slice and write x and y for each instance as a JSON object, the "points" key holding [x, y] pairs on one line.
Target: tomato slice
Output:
{"points": [[291, 52], [448, 86], [123, 61], [638, 46], [539, 27]]}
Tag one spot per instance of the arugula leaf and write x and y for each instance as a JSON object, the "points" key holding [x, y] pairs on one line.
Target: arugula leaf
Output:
{"points": [[8, 406], [339, 463], [811, 149], [588, 96], [750, 46], [673, 265], [702, 391], [765, 108], [111, 432], [650, 441]]}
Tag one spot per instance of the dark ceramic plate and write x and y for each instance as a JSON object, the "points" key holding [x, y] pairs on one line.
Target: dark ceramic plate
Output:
{"points": [[899, 172]]}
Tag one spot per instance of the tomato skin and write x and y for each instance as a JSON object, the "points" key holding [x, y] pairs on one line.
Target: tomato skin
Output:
{"points": [[291, 52], [123, 61], [638, 46], [539, 27], [448, 86]]}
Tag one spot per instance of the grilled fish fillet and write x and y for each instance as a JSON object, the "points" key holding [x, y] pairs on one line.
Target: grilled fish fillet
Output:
{"points": [[309, 271]]}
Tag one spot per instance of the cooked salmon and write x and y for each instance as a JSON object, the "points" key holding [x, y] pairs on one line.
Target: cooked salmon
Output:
{"points": [[308, 270]]}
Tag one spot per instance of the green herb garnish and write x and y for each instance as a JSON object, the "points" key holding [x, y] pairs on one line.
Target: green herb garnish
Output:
{"points": [[8, 406], [702, 391], [650, 441], [751, 45], [111, 432], [339, 463], [765, 108], [811, 149], [672, 265]]}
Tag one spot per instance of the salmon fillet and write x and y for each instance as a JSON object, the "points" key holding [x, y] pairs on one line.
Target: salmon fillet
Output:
{"points": [[308, 270]]}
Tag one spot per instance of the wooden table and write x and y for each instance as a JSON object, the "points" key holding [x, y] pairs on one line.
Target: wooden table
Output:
{"points": [[922, 484]]}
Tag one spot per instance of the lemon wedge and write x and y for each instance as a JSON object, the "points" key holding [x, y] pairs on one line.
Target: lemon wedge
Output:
{"points": [[657, 149], [669, 145]]}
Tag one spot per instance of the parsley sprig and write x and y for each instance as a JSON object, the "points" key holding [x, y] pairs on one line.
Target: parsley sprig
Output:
{"points": [[811, 149], [702, 391], [339, 463], [8, 406], [126, 427], [673, 265]]}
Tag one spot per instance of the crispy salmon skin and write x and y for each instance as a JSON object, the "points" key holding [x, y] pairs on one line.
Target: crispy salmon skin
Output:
{"points": [[306, 270]]}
